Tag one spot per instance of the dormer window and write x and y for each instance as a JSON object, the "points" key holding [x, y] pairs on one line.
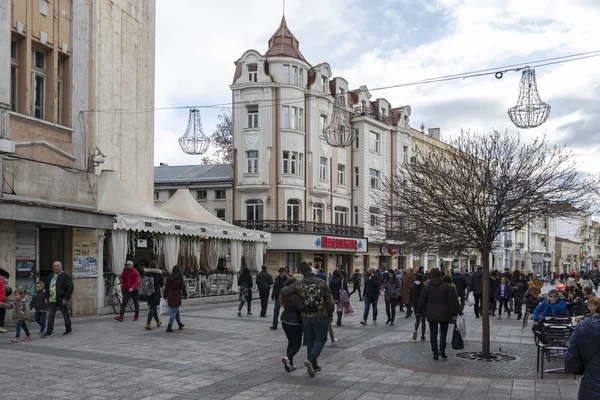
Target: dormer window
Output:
{"points": [[253, 72], [325, 84]]}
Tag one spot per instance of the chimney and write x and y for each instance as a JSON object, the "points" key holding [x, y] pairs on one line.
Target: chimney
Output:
{"points": [[434, 133]]}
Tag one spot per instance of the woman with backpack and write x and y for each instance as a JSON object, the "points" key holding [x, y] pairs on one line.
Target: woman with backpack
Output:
{"points": [[151, 284], [174, 291], [245, 284]]}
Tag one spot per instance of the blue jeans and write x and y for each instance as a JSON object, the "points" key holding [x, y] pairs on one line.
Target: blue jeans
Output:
{"points": [[40, 318], [22, 324], [174, 316], [315, 333], [276, 307], [370, 302]]}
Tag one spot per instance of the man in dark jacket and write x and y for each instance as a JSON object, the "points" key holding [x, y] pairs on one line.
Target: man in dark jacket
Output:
{"points": [[476, 285], [277, 286], [583, 356], [371, 295], [60, 289], [264, 280], [461, 286]]}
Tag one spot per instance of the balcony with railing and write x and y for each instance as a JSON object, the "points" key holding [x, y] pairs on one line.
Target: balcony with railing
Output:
{"points": [[365, 111], [318, 228]]}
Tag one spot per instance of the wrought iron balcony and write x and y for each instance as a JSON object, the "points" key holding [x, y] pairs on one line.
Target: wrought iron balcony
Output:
{"points": [[302, 227], [364, 111]]}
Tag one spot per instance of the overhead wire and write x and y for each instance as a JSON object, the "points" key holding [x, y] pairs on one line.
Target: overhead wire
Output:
{"points": [[497, 71]]}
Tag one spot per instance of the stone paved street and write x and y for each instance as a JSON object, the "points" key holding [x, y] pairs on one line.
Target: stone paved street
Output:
{"points": [[221, 356]]}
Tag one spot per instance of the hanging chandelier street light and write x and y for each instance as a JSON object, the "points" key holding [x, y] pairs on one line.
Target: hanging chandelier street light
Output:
{"points": [[530, 110], [194, 141], [339, 132]]}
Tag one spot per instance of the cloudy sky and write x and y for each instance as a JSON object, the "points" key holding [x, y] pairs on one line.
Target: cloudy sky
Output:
{"points": [[392, 42]]}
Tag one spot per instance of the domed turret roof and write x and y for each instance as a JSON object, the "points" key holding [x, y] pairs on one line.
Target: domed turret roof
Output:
{"points": [[284, 43]]}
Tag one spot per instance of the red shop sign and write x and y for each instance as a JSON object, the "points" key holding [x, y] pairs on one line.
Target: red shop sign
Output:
{"points": [[338, 243]]}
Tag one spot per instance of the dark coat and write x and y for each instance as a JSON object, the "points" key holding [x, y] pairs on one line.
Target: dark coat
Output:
{"points": [[494, 283], [154, 300], [356, 280], [246, 280], [415, 293], [39, 301], [174, 290], [64, 287], [293, 308], [372, 286], [520, 288], [264, 280], [278, 284], [461, 284], [335, 285], [476, 283], [584, 345], [508, 291], [438, 302]]}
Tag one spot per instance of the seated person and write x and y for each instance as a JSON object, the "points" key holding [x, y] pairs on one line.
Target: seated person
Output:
{"points": [[576, 296], [532, 297], [588, 293], [553, 306]]}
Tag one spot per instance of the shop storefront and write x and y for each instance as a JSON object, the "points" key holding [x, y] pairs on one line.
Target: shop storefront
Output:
{"points": [[326, 252]]}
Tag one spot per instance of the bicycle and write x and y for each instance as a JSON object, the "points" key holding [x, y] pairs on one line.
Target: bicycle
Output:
{"points": [[113, 296]]}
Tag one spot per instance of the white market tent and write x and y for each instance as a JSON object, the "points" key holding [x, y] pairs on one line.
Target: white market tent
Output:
{"points": [[181, 215]]}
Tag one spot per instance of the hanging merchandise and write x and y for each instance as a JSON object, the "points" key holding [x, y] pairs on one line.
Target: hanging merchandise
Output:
{"points": [[194, 141], [339, 132], [530, 110]]}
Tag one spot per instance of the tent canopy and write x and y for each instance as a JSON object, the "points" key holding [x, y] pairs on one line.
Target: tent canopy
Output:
{"points": [[132, 213]]}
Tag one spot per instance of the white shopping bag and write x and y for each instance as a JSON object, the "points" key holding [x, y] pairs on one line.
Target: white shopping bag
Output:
{"points": [[462, 326], [164, 308]]}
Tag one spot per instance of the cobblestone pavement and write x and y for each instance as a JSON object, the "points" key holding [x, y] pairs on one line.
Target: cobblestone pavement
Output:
{"points": [[221, 356]]}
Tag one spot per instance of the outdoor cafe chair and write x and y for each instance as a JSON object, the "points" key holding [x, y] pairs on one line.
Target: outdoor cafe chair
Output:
{"points": [[579, 310], [556, 340], [528, 312]]}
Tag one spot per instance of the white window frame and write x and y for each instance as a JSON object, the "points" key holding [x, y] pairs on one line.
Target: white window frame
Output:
{"points": [[253, 72], [294, 76], [286, 73], [293, 163], [356, 176], [355, 215], [323, 169], [217, 210], [295, 207], [201, 195], [340, 215], [341, 174], [318, 212], [257, 207], [405, 151], [325, 84], [38, 73], [374, 216], [375, 142], [14, 75], [59, 87], [374, 178], [322, 124], [217, 191], [300, 77], [356, 141], [156, 195], [252, 161], [252, 112], [292, 118]]}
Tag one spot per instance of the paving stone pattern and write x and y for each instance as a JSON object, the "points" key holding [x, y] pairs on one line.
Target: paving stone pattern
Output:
{"points": [[221, 356]]}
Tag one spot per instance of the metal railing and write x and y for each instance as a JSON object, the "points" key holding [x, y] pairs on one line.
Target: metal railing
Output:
{"points": [[274, 226], [364, 111]]}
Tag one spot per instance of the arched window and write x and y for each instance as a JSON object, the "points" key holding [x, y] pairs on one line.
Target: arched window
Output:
{"points": [[293, 210], [254, 210], [341, 215], [318, 213]]}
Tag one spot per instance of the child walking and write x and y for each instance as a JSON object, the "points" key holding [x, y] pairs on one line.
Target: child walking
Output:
{"points": [[41, 308], [20, 308]]}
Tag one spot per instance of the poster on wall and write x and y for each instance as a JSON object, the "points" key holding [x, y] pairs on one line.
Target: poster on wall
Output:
{"points": [[25, 261], [85, 253]]}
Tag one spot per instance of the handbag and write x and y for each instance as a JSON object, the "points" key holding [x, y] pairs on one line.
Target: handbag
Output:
{"points": [[462, 326], [164, 308], [348, 309], [457, 340]]}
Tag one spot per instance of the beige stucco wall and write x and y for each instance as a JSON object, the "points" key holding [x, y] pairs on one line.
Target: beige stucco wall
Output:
{"points": [[123, 79]]}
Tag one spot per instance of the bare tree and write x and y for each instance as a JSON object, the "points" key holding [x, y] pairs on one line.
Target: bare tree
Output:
{"points": [[222, 138], [482, 185]]}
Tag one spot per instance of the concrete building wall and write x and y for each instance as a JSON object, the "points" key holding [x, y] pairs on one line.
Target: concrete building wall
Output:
{"points": [[123, 39]]}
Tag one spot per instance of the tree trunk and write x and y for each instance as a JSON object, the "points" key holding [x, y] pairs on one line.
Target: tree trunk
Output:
{"points": [[485, 303]]}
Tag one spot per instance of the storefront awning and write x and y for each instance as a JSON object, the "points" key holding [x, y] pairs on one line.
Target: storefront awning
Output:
{"points": [[133, 213]]}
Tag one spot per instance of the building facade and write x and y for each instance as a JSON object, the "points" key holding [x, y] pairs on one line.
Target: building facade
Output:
{"points": [[316, 200], [59, 59], [580, 229], [211, 186]]}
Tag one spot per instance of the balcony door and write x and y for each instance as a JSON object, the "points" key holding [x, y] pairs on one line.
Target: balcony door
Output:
{"points": [[293, 214], [254, 213]]}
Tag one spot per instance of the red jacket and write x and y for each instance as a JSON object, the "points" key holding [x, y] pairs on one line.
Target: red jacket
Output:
{"points": [[2, 291], [130, 279]]}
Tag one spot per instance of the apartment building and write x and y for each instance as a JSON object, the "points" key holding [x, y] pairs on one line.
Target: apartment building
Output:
{"points": [[315, 199], [60, 59], [211, 185]]}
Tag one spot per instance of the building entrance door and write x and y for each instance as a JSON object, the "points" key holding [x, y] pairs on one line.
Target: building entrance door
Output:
{"points": [[52, 242], [319, 260]]}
